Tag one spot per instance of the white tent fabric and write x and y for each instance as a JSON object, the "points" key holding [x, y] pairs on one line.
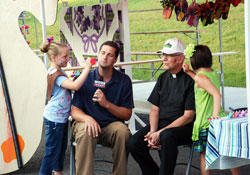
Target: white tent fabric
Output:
{"points": [[247, 52]]}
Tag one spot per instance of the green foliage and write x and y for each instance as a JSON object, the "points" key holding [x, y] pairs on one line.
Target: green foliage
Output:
{"points": [[233, 38]]}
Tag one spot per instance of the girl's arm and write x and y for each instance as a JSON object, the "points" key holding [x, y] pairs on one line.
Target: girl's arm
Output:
{"points": [[188, 71], [75, 85], [204, 82]]}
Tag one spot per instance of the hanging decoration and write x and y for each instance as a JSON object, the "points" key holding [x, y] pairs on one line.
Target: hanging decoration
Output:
{"points": [[193, 14], [206, 12], [25, 29], [181, 10], [168, 6]]}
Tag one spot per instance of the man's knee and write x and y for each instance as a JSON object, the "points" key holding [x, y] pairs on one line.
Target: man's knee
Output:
{"points": [[131, 144], [78, 127], [79, 132], [167, 137], [136, 141], [121, 130]]}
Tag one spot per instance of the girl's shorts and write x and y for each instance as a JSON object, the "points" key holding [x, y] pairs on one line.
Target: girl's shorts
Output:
{"points": [[200, 145]]}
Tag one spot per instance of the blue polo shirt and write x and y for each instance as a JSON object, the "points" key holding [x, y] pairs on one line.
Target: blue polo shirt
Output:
{"points": [[118, 91]]}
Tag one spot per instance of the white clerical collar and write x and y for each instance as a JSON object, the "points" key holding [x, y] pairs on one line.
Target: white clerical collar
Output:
{"points": [[174, 75]]}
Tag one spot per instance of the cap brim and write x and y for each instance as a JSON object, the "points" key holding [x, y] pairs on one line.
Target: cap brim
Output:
{"points": [[168, 52], [159, 51]]}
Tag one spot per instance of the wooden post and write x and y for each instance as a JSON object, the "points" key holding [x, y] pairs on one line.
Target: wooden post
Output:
{"points": [[125, 29]]}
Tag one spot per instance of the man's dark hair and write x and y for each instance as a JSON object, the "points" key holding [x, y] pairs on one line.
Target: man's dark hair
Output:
{"points": [[202, 57], [111, 44]]}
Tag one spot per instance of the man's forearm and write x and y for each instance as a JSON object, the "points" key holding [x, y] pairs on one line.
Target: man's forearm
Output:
{"points": [[181, 121], [154, 118], [78, 115], [120, 112]]}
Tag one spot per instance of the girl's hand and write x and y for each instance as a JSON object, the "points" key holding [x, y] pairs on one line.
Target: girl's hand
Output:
{"points": [[185, 67], [88, 63], [212, 117], [215, 117]]}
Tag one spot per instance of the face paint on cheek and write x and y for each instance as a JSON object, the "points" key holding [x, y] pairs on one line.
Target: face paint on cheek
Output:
{"points": [[61, 62]]}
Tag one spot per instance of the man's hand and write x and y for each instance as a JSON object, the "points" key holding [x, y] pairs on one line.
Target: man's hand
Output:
{"points": [[153, 139], [147, 136], [100, 98], [92, 127]]}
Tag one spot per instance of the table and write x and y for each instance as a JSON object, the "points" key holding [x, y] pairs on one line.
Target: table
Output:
{"points": [[228, 143]]}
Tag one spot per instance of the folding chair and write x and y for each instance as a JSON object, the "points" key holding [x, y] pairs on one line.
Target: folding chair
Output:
{"points": [[189, 163], [72, 156]]}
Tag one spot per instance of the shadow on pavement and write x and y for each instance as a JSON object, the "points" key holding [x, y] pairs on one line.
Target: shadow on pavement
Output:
{"points": [[33, 166]]}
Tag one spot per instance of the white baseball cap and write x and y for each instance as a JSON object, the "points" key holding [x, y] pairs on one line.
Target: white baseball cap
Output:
{"points": [[172, 46]]}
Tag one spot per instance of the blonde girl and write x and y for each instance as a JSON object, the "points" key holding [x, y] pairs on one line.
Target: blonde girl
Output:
{"points": [[58, 109]]}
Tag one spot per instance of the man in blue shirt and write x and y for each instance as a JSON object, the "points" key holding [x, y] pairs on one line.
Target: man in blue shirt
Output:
{"points": [[99, 113]]}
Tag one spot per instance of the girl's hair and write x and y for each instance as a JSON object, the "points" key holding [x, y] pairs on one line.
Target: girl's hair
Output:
{"points": [[202, 57], [51, 48]]}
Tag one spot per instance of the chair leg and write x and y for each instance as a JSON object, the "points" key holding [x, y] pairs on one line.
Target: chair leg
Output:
{"points": [[72, 157], [190, 159]]}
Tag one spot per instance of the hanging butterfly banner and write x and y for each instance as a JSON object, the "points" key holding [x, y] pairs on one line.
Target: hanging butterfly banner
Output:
{"points": [[206, 12], [85, 28]]}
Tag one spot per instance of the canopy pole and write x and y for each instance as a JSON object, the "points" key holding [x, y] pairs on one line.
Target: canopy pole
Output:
{"points": [[221, 67], [247, 54], [197, 33], [37, 41], [45, 57]]}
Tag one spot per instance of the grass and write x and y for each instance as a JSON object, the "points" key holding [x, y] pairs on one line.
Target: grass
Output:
{"points": [[233, 38]]}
